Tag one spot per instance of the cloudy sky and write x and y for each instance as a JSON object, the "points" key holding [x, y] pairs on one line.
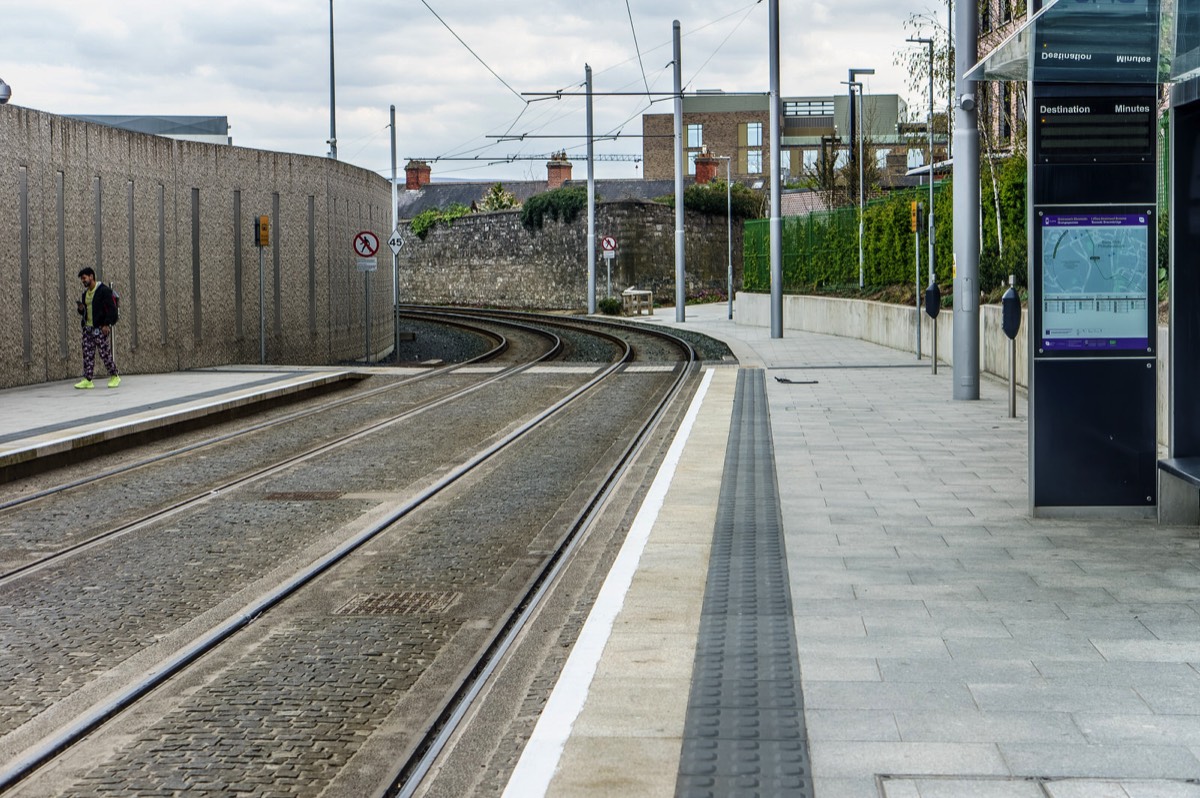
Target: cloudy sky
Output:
{"points": [[265, 65]]}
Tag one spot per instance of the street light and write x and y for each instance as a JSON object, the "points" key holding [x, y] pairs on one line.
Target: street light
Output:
{"points": [[929, 42], [854, 83], [728, 226], [332, 104]]}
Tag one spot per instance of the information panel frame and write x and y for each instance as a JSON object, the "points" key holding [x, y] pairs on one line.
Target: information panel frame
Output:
{"points": [[1076, 251]]}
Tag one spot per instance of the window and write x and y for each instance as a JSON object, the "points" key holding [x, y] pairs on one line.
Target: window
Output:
{"points": [[695, 136], [754, 162], [691, 162], [881, 157], [985, 16], [808, 108], [754, 134], [810, 160], [1006, 112]]}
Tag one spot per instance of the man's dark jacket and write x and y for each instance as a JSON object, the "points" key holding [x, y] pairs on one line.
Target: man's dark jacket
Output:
{"points": [[104, 310]]}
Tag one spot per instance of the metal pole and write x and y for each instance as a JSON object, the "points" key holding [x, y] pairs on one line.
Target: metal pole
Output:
{"points": [[1012, 367], [591, 198], [933, 344], [332, 103], [262, 310], [729, 228], [367, 280], [395, 255], [860, 192], [854, 83], [966, 213], [917, 259], [776, 222], [680, 292], [931, 236]]}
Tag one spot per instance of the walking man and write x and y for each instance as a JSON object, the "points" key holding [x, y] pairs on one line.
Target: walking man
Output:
{"points": [[98, 312]]}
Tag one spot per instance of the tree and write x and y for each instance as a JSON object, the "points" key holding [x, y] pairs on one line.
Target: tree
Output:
{"points": [[916, 63], [497, 199]]}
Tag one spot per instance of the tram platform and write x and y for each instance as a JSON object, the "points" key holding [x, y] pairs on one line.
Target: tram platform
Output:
{"points": [[56, 421], [835, 588], [917, 634]]}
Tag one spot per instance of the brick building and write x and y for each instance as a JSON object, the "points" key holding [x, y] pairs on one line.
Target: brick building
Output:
{"points": [[738, 127], [1001, 104]]}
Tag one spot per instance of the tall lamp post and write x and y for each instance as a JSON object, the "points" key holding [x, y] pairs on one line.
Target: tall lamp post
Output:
{"points": [[929, 42], [332, 105], [857, 84]]}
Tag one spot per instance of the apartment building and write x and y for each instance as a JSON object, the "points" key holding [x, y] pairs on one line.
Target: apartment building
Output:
{"points": [[815, 130]]}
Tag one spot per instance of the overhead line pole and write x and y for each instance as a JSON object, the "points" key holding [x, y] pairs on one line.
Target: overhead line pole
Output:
{"points": [[395, 255], [591, 199], [776, 222], [680, 293], [332, 103]]}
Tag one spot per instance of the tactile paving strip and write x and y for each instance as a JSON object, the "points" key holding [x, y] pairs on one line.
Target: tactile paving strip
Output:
{"points": [[744, 732]]}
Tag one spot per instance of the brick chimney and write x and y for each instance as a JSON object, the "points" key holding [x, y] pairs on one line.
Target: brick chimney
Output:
{"points": [[706, 167], [416, 175], [558, 170]]}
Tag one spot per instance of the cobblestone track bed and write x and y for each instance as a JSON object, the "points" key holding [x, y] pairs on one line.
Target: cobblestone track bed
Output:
{"points": [[227, 735], [33, 531]]}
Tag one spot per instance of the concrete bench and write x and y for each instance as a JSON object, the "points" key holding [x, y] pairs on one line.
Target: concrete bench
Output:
{"points": [[633, 301], [1179, 491]]}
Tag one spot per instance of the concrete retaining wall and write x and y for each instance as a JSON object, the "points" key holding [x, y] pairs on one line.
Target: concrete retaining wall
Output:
{"points": [[170, 225]]}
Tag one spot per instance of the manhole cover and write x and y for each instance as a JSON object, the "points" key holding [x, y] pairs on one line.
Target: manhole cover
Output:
{"points": [[407, 602]]}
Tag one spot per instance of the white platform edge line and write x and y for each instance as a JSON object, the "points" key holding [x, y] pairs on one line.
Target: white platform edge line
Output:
{"points": [[539, 760]]}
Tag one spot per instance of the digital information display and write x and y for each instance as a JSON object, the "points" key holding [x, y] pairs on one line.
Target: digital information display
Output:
{"points": [[1095, 290]]}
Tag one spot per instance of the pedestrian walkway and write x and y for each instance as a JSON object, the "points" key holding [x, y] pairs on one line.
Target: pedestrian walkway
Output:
{"points": [[948, 643], [54, 419]]}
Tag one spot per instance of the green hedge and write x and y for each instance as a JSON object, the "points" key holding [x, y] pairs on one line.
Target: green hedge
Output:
{"points": [[820, 251]]}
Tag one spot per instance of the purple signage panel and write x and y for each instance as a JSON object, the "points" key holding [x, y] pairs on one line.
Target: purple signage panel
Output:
{"points": [[1095, 292]]}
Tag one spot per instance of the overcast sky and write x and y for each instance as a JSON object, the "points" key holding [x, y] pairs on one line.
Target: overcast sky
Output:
{"points": [[265, 65]]}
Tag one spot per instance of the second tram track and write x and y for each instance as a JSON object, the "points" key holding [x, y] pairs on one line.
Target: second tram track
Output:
{"points": [[84, 722]]}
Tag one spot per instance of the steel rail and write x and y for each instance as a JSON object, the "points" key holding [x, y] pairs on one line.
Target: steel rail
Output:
{"points": [[209, 493], [88, 720], [420, 758], [500, 347]]}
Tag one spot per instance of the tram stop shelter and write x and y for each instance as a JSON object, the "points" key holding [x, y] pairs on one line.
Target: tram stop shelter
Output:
{"points": [[1095, 72]]}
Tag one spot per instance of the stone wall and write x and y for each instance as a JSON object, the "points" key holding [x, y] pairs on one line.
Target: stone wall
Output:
{"points": [[492, 259], [170, 225]]}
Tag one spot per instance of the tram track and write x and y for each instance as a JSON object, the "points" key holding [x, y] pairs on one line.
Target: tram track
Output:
{"points": [[49, 746], [209, 492]]}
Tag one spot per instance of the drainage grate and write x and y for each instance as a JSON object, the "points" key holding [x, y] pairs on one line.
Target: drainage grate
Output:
{"points": [[303, 496], [744, 733], [406, 602]]}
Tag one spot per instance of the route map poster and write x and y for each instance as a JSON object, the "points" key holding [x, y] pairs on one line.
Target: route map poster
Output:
{"points": [[1095, 282]]}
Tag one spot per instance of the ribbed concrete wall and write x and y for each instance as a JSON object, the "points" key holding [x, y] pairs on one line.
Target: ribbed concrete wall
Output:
{"points": [[170, 225], [893, 326]]}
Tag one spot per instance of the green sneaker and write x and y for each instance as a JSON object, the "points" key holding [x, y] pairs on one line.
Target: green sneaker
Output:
{"points": [[84, 384], [114, 381]]}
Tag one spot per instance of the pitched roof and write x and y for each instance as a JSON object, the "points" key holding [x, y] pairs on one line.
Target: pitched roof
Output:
{"points": [[410, 203]]}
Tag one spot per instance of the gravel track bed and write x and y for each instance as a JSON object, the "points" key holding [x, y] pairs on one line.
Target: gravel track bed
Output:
{"points": [[480, 545]]}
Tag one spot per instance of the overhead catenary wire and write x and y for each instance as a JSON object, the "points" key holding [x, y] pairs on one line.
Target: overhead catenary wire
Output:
{"points": [[472, 52], [636, 49], [541, 122]]}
